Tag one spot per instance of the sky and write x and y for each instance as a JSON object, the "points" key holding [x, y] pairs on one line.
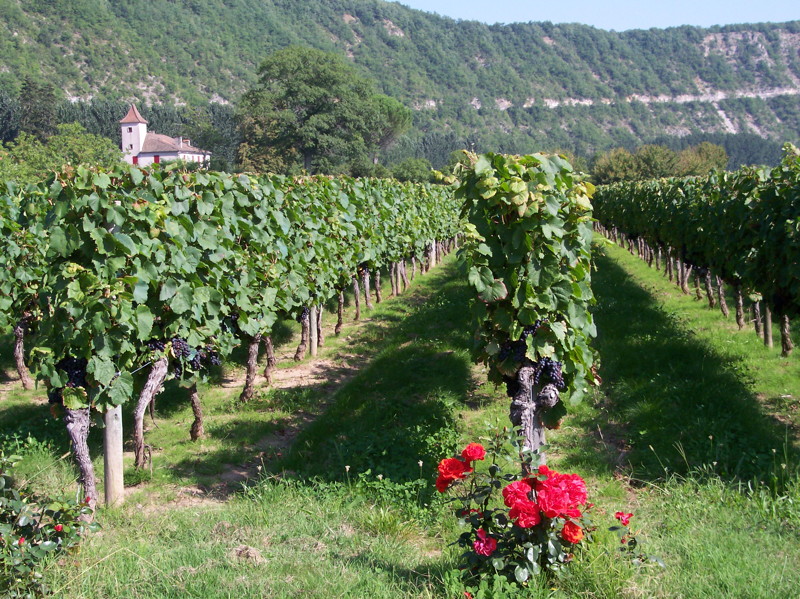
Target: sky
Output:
{"points": [[618, 15]]}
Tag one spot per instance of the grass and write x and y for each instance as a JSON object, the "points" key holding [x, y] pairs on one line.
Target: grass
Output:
{"points": [[682, 434]]}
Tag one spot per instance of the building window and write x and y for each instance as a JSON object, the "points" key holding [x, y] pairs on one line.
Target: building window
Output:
{"points": [[130, 129]]}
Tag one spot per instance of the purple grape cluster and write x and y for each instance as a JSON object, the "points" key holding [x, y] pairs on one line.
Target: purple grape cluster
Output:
{"points": [[180, 348], [303, 314], [155, 345], [551, 370]]}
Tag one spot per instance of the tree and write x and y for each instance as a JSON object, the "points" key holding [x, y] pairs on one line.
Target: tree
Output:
{"points": [[412, 169], [37, 109], [653, 162], [310, 105], [698, 160], [28, 160], [615, 165], [392, 119]]}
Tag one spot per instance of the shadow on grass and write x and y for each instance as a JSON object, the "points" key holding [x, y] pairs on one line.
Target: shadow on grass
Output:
{"points": [[400, 408], [673, 403]]}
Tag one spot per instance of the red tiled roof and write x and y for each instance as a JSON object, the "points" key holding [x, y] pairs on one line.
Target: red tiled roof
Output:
{"points": [[156, 142], [133, 116]]}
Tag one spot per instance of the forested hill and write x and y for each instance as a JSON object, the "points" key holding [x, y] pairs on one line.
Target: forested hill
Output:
{"points": [[509, 86]]}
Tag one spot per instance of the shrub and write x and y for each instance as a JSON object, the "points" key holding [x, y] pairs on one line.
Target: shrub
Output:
{"points": [[537, 528], [34, 529]]}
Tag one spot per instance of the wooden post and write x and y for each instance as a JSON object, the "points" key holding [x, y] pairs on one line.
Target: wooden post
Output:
{"points": [[314, 330], [112, 457]]}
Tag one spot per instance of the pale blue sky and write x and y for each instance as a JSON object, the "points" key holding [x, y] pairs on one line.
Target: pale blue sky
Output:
{"points": [[618, 15]]}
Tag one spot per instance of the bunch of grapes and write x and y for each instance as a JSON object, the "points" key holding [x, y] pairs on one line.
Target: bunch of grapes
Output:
{"points": [[531, 329], [303, 314], [75, 368], [230, 323], [180, 349], [155, 345], [513, 349], [551, 370]]}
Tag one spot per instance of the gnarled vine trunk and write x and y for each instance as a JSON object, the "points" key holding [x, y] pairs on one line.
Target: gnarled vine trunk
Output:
{"points": [[786, 338], [378, 297], [403, 274], [271, 360], [158, 373], [77, 423], [393, 279], [528, 404], [365, 284], [757, 317], [252, 369], [339, 314], [709, 285], [723, 304], [197, 431], [305, 331], [320, 334], [738, 297], [19, 355], [357, 294]]}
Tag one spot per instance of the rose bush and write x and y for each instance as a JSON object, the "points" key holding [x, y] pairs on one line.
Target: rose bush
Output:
{"points": [[540, 523], [33, 529]]}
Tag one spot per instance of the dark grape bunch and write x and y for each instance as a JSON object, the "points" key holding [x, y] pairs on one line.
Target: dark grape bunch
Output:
{"points": [[517, 349], [303, 314], [75, 368], [513, 349], [231, 323], [180, 349], [551, 370], [196, 359], [155, 345], [531, 329]]}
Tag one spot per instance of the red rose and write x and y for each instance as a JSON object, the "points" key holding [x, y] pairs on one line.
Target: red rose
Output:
{"points": [[473, 451], [443, 483], [526, 514], [623, 518], [517, 491], [485, 545], [453, 468], [21, 541], [58, 527], [572, 533], [559, 494]]}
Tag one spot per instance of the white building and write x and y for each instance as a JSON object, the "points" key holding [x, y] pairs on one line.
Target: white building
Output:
{"points": [[143, 148]]}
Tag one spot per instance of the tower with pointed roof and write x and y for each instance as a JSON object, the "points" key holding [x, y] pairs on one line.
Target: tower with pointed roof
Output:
{"points": [[134, 131]]}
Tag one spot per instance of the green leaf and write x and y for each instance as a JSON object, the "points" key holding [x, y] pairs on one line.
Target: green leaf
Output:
{"points": [[183, 299], [75, 398], [101, 369], [521, 574], [494, 292], [101, 180], [144, 321], [121, 390]]}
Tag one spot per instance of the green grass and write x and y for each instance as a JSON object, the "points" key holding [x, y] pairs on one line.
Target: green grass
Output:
{"points": [[681, 433]]}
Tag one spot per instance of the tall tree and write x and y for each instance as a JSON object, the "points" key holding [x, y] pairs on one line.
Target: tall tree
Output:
{"points": [[392, 119], [308, 104], [37, 109]]}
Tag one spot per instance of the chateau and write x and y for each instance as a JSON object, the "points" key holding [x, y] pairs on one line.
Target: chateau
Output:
{"points": [[143, 148]]}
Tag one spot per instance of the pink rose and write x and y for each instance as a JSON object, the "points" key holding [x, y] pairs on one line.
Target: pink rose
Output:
{"points": [[485, 545]]}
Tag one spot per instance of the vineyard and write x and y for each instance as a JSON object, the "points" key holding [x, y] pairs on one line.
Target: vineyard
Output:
{"points": [[740, 228], [133, 292]]}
